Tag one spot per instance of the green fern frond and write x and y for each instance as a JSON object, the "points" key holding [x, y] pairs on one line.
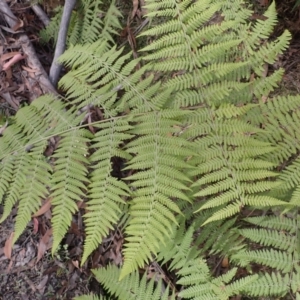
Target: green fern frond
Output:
{"points": [[93, 26], [280, 223], [263, 28], [52, 29], [105, 191], [92, 20], [131, 287], [109, 65], [278, 260], [152, 208], [34, 189], [270, 52], [188, 20], [90, 297], [217, 288], [280, 120], [225, 144], [18, 179], [295, 282], [68, 184], [273, 284], [272, 238], [26, 168], [194, 272], [265, 85], [178, 249], [220, 237]]}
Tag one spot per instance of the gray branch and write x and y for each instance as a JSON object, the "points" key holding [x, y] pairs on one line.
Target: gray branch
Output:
{"points": [[61, 41]]}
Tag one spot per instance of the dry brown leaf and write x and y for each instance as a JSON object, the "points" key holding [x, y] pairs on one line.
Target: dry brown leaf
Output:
{"points": [[44, 244], [18, 25], [35, 225], [75, 264], [9, 55], [8, 246], [45, 207], [225, 262], [13, 60]]}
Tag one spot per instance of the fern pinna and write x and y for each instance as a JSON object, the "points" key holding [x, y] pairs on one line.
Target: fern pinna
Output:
{"points": [[201, 140]]}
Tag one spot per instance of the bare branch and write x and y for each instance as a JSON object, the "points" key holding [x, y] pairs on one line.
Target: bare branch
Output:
{"points": [[61, 41]]}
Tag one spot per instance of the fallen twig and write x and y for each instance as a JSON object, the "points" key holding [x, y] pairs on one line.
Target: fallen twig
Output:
{"points": [[41, 14], [41, 77]]}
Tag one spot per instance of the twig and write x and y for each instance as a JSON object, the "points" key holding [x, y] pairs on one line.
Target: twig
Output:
{"points": [[28, 50], [61, 41], [41, 14], [8, 14]]}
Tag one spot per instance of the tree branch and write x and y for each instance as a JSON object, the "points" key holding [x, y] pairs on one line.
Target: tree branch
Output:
{"points": [[61, 41]]}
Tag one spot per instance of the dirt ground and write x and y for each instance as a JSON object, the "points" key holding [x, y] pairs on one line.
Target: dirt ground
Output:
{"points": [[32, 272]]}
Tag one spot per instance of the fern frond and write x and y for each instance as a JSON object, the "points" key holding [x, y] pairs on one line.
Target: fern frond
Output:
{"points": [[131, 287], [178, 249], [280, 120], [85, 88], [153, 208], [217, 288], [270, 52], [35, 188], [275, 222], [272, 238], [224, 144], [262, 28], [68, 184], [94, 26], [91, 21], [278, 260], [220, 237], [26, 168], [52, 29], [90, 297], [273, 284], [105, 191]]}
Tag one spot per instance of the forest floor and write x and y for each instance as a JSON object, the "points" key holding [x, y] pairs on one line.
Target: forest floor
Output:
{"points": [[31, 272]]}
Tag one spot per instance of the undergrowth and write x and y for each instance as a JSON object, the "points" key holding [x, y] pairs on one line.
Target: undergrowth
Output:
{"points": [[210, 159]]}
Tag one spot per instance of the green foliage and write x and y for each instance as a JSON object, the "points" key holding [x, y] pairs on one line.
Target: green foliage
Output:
{"points": [[90, 21], [132, 287], [200, 139], [297, 3]]}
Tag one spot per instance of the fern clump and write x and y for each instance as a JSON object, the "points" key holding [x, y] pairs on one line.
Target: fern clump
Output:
{"points": [[201, 140]]}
